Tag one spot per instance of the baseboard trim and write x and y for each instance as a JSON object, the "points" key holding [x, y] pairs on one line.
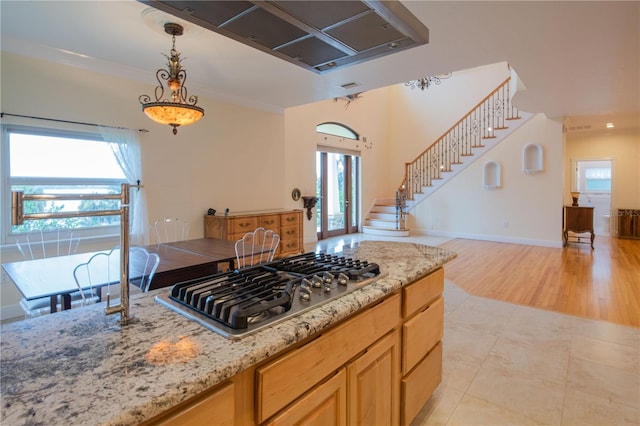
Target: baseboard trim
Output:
{"points": [[492, 238]]}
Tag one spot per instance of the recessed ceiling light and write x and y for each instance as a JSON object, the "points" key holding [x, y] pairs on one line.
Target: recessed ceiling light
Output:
{"points": [[610, 126]]}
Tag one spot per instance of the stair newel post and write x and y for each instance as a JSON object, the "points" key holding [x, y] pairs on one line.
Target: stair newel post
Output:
{"points": [[401, 200]]}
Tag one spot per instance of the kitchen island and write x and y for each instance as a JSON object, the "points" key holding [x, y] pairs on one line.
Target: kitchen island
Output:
{"points": [[82, 367]]}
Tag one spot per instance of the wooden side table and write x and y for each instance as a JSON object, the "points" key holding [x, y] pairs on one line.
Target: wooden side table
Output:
{"points": [[578, 220]]}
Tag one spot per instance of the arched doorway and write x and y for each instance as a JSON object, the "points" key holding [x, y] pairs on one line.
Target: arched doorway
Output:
{"points": [[337, 185]]}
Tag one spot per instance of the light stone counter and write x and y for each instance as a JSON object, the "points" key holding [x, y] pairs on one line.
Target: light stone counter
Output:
{"points": [[81, 367]]}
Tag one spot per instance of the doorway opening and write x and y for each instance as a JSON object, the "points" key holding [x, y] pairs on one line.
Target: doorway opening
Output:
{"points": [[337, 185], [593, 180]]}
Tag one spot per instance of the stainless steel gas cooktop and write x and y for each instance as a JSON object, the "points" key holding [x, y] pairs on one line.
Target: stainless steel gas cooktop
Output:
{"points": [[238, 303]]}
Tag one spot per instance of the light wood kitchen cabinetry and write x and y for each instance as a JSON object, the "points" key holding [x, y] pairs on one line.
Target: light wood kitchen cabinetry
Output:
{"points": [[287, 224], [378, 367], [201, 410], [325, 405], [422, 330], [374, 397], [282, 381]]}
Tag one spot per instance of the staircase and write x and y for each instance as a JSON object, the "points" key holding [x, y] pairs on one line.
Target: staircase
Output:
{"points": [[382, 219], [492, 120]]}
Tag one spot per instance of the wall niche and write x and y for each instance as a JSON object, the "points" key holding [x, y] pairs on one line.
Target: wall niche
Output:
{"points": [[491, 175], [532, 159]]}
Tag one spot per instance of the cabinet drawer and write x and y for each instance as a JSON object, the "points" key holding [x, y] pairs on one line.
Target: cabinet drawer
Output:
{"points": [[421, 333], [417, 387], [270, 222], [289, 219], [286, 378], [242, 225], [422, 292], [289, 233], [289, 247]]}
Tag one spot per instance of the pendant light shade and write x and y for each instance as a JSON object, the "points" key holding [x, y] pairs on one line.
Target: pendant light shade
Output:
{"points": [[179, 109]]}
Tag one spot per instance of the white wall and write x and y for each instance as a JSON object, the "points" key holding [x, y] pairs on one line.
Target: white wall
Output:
{"points": [[246, 159], [527, 209], [367, 116], [621, 146], [233, 158], [418, 118]]}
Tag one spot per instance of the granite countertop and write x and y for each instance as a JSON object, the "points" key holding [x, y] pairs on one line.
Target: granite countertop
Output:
{"points": [[81, 367]]}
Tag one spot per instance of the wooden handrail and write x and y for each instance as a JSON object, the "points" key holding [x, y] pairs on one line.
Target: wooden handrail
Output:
{"points": [[403, 184]]}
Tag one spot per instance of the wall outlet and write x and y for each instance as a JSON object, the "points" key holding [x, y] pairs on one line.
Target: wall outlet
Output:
{"points": [[505, 223]]}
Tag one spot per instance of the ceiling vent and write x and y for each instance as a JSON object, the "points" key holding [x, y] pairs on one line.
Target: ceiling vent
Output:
{"points": [[317, 35]]}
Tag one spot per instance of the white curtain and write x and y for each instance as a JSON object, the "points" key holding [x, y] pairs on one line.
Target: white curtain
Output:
{"points": [[125, 145]]}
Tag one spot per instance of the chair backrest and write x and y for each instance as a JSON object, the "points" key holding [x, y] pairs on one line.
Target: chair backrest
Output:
{"points": [[47, 243], [168, 229], [142, 267], [97, 270], [256, 247]]}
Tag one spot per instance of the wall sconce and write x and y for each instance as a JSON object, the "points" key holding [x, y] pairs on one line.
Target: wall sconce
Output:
{"points": [[309, 203]]}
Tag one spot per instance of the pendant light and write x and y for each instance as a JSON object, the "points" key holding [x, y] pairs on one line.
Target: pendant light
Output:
{"points": [[179, 109]]}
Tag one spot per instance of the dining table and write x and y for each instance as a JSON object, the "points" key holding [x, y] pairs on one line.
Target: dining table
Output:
{"points": [[179, 261]]}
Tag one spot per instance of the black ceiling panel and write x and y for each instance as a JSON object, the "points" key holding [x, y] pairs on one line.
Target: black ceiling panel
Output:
{"points": [[366, 32], [313, 52], [264, 28], [323, 14], [317, 35]]}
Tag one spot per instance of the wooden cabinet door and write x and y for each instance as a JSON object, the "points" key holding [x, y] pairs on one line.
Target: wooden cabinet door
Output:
{"points": [[325, 405], [373, 384], [216, 408]]}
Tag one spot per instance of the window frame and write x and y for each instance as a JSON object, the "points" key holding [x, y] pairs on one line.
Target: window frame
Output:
{"points": [[322, 128], [6, 233]]}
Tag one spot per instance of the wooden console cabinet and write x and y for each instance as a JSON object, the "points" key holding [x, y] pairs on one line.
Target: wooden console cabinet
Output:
{"points": [[378, 367], [287, 224], [628, 223], [577, 220]]}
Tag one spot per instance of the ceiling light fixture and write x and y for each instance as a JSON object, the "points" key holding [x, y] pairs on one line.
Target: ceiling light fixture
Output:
{"points": [[426, 82], [180, 109], [610, 126]]}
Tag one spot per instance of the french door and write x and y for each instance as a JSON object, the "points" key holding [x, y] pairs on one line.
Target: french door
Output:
{"points": [[337, 185]]}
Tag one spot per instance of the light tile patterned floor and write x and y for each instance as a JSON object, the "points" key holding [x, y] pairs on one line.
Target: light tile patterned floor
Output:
{"points": [[506, 364]]}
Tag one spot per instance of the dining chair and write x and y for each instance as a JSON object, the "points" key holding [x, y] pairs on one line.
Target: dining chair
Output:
{"points": [[167, 230], [88, 275], [39, 245], [47, 243], [142, 267], [256, 247]]}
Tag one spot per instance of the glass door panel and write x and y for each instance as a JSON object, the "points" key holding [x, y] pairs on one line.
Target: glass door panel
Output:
{"points": [[337, 179]]}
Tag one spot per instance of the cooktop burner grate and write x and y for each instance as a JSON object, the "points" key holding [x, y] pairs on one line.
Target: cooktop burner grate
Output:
{"points": [[236, 303], [234, 298]]}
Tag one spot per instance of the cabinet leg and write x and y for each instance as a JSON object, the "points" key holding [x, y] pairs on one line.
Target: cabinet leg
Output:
{"points": [[593, 237]]}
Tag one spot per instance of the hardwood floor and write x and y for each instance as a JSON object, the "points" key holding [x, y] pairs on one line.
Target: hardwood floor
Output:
{"points": [[602, 284]]}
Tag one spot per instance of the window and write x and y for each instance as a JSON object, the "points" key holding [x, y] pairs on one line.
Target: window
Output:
{"points": [[38, 161], [337, 129], [597, 179]]}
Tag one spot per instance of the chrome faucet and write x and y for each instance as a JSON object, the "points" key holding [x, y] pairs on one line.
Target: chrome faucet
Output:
{"points": [[18, 217]]}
